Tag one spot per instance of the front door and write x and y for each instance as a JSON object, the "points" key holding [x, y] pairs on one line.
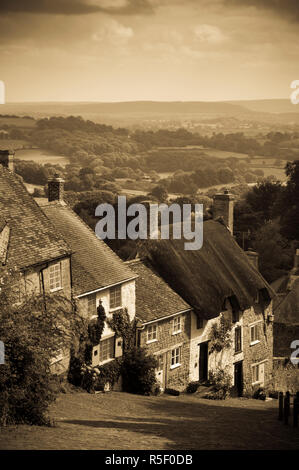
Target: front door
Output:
{"points": [[203, 361], [239, 378], [161, 370]]}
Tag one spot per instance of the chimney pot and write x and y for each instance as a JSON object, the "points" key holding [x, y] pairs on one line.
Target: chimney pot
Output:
{"points": [[224, 208], [55, 188], [7, 159]]}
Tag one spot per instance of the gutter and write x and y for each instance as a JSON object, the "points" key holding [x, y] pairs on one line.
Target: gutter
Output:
{"points": [[105, 287], [162, 318]]}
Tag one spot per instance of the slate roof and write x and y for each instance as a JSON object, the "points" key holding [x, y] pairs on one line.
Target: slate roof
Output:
{"points": [[32, 238], [94, 264], [154, 297], [206, 277]]}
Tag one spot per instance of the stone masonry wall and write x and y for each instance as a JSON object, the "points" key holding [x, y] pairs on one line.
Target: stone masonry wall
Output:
{"points": [[166, 341]]}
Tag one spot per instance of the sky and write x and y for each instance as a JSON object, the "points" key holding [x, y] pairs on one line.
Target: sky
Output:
{"points": [[164, 50]]}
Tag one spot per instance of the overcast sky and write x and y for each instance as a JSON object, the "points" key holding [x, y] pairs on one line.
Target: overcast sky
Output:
{"points": [[119, 50]]}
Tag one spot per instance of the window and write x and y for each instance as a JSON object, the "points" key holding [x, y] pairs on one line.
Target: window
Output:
{"points": [[176, 325], [175, 357], [91, 304], [55, 277], [115, 297], [238, 339], [199, 322], [107, 349], [254, 333], [152, 333], [258, 371]]}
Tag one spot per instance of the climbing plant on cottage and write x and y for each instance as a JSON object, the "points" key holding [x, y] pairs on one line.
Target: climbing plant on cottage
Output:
{"points": [[135, 366]]}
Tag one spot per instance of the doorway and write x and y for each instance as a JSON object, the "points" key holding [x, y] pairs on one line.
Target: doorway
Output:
{"points": [[203, 361], [239, 378]]}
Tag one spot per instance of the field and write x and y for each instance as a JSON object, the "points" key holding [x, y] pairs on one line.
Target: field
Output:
{"points": [[41, 156], [122, 421], [24, 123]]}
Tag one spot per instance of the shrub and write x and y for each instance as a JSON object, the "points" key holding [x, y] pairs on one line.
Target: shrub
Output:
{"points": [[32, 331], [221, 381], [192, 387], [260, 394], [138, 372]]}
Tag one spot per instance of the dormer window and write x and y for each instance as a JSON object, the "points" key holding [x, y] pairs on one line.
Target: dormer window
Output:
{"points": [[55, 277]]}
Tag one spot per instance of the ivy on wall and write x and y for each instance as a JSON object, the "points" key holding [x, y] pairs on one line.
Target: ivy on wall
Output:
{"points": [[137, 367], [220, 337]]}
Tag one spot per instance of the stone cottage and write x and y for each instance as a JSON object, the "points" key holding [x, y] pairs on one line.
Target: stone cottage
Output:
{"points": [[98, 274], [29, 244], [163, 326], [223, 286]]}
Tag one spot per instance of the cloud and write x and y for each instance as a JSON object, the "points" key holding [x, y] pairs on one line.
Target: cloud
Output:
{"points": [[208, 34], [77, 7], [115, 33], [286, 8]]}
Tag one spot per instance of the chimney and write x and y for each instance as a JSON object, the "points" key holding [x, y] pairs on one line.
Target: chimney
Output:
{"points": [[253, 257], [224, 208], [55, 188], [7, 159]]}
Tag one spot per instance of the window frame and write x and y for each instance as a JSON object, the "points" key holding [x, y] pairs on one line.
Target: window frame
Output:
{"points": [[112, 297], [53, 267], [256, 367], [176, 356], [111, 347], [177, 325], [151, 333], [94, 297], [256, 328], [238, 341]]}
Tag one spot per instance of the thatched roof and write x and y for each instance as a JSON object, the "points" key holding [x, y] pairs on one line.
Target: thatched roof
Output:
{"points": [[205, 278]]}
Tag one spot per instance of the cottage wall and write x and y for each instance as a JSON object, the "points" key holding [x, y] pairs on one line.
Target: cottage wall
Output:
{"points": [[261, 352], [176, 377]]}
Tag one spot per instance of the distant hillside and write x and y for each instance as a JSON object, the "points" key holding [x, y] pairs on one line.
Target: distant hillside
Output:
{"points": [[277, 110], [268, 106], [128, 108]]}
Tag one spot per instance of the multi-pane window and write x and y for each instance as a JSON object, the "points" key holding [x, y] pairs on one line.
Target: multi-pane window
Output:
{"points": [[115, 297], [176, 325], [238, 339], [152, 333], [176, 357], [254, 333], [258, 371], [55, 277], [107, 349], [91, 304]]}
